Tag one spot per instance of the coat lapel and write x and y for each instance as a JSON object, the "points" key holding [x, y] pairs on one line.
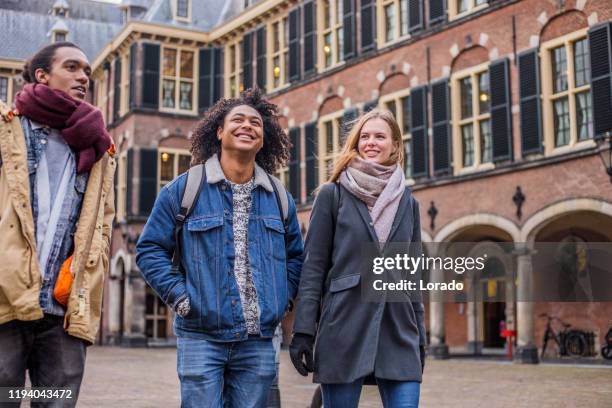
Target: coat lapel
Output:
{"points": [[362, 209]]}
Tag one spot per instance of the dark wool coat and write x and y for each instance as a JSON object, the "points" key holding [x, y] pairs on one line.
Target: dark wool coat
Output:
{"points": [[355, 338]]}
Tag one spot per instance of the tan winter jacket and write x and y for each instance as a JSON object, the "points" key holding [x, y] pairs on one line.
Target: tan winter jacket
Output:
{"points": [[20, 277]]}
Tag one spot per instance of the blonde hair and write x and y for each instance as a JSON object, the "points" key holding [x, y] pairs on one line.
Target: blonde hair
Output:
{"points": [[350, 149]]}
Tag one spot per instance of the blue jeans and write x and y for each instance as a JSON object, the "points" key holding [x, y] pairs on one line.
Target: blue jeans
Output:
{"points": [[394, 394], [231, 374]]}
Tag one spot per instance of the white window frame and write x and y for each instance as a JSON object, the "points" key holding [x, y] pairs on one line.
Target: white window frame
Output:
{"points": [[125, 84], [382, 22], [336, 119], [397, 97], [175, 169], [175, 4], [336, 25], [235, 76], [474, 120], [122, 186], [9, 89], [548, 97], [282, 53], [178, 79], [453, 10]]}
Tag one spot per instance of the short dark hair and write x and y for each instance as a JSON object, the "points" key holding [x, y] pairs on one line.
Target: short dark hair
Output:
{"points": [[275, 150], [43, 59]]}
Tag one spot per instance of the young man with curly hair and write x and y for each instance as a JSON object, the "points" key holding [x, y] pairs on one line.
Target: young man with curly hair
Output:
{"points": [[239, 267]]}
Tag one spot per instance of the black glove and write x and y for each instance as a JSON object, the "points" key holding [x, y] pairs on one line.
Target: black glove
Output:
{"points": [[301, 347], [422, 352]]}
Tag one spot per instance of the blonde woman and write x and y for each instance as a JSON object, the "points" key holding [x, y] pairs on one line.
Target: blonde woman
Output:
{"points": [[365, 199]]}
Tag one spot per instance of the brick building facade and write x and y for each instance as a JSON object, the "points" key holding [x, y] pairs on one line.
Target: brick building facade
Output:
{"points": [[494, 99]]}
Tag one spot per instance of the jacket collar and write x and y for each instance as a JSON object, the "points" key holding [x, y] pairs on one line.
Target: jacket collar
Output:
{"points": [[214, 174]]}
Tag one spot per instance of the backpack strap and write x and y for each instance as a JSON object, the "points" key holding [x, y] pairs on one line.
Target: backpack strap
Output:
{"points": [[195, 176], [281, 199]]}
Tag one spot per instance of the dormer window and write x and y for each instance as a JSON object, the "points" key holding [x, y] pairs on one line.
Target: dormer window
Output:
{"points": [[59, 37], [60, 8], [59, 31], [183, 8]]}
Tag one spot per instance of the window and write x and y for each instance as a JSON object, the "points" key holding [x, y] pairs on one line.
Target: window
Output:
{"points": [[233, 64], [183, 10], [125, 84], [331, 42], [59, 36], [4, 89], [399, 104], [156, 316], [329, 143], [394, 20], [122, 186], [459, 8], [278, 42], [568, 117], [178, 83], [471, 118], [172, 163]]}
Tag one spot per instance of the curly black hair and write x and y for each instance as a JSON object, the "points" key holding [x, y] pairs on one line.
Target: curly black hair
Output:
{"points": [[275, 150]]}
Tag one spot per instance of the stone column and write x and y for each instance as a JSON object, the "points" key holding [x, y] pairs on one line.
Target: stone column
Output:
{"points": [[437, 348], [527, 351], [134, 312]]}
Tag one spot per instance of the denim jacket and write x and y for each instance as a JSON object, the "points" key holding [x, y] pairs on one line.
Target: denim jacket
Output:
{"points": [[207, 246]]}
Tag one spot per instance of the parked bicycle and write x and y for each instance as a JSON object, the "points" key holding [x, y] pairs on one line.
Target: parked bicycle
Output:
{"points": [[569, 342], [606, 351]]}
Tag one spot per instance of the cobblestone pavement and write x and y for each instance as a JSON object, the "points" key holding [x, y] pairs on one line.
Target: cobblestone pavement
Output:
{"points": [[120, 377]]}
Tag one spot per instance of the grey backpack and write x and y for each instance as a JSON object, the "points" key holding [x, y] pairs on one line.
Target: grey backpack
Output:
{"points": [[195, 177]]}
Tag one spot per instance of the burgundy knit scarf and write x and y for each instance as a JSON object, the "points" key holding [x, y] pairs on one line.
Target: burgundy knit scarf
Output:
{"points": [[80, 124]]}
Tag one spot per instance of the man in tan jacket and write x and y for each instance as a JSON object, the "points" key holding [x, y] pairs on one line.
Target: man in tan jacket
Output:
{"points": [[56, 210]]}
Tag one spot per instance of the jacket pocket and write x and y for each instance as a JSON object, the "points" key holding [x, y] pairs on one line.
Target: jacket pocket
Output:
{"points": [[203, 238], [340, 295], [344, 282], [276, 233]]}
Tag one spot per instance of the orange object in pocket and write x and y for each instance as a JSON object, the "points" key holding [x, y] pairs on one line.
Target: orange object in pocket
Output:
{"points": [[61, 291]]}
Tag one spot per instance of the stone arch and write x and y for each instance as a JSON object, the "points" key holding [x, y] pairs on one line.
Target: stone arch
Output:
{"points": [[175, 142], [455, 227], [540, 219], [470, 57], [393, 83], [331, 104], [563, 23]]}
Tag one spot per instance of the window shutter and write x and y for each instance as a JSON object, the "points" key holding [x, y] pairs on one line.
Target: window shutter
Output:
{"points": [[312, 168], [368, 106], [310, 38], [117, 87], [247, 60], [600, 50], [205, 76], [129, 190], [148, 180], [133, 59], [150, 77], [218, 78], [348, 28], [261, 58], [501, 109], [441, 130], [348, 118], [437, 11], [529, 89], [294, 44], [418, 131], [294, 164], [415, 15], [368, 25]]}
